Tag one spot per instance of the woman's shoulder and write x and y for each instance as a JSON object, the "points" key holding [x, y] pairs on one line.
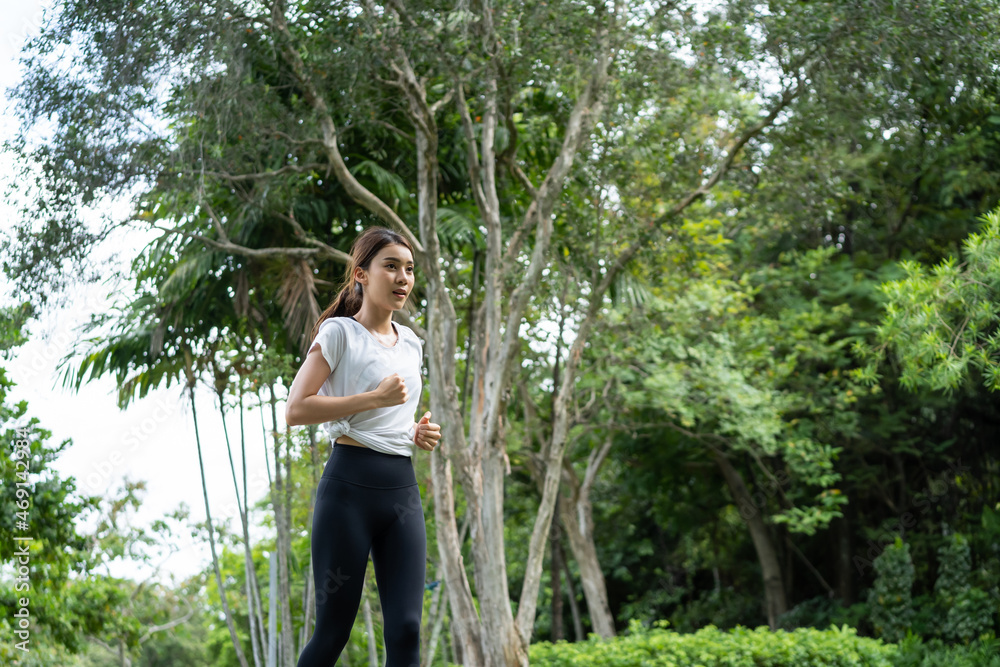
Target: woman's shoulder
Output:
{"points": [[337, 323], [409, 333]]}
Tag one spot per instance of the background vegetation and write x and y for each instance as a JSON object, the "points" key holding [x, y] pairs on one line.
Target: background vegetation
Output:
{"points": [[751, 265]]}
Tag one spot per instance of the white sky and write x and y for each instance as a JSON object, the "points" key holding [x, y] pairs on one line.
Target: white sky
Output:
{"points": [[153, 440]]}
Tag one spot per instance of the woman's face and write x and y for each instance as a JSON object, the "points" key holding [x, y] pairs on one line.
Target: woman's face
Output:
{"points": [[390, 272]]}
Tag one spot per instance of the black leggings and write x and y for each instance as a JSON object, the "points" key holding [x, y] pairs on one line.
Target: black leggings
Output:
{"points": [[367, 501]]}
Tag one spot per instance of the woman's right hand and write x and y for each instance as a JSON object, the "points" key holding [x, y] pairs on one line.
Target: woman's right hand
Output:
{"points": [[390, 391]]}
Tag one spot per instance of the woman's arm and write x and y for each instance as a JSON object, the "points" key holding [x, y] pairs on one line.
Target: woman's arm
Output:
{"points": [[305, 406]]}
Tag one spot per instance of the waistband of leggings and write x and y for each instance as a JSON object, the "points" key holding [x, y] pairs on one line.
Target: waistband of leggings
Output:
{"points": [[342, 447], [368, 467]]}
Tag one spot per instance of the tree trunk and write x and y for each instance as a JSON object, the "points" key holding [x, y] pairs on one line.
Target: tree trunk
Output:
{"points": [[573, 606], [254, 611], [555, 579], [842, 549], [581, 540], [465, 630], [287, 634], [272, 609], [439, 607], [370, 628], [779, 538], [282, 541], [211, 531], [251, 615], [244, 523], [770, 568], [309, 592], [576, 514], [308, 597]]}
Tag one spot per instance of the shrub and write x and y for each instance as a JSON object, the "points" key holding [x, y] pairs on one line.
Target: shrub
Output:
{"points": [[915, 652], [821, 612], [969, 609], [711, 647], [890, 598], [723, 608]]}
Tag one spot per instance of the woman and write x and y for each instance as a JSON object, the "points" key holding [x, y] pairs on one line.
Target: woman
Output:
{"points": [[362, 376]]}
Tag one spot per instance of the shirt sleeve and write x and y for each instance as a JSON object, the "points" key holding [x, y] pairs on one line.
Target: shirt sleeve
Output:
{"points": [[330, 339]]}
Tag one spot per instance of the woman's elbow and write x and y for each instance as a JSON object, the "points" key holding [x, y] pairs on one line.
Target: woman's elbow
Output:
{"points": [[291, 414]]}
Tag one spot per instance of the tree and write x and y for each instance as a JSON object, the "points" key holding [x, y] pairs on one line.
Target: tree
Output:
{"points": [[38, 528], [532, 106], [942, 323]]}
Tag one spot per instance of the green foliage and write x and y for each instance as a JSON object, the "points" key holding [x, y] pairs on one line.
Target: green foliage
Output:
{"points": [[822, 612], [722, 608], [971, 615], [955, 566], [711, 647], [732, 367], [890, 599], [916, 652], [969, 609], [943, 323], [71, 600], [756, 291]]}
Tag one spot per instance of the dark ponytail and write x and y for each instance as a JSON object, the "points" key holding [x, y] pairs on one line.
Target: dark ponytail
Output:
{"points": [[350, 297]]}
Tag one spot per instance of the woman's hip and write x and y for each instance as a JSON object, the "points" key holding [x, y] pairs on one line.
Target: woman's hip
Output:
{"points": [[367, 467]]}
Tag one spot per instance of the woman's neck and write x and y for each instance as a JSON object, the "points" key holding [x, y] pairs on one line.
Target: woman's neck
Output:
{"points": [[376, 320]]}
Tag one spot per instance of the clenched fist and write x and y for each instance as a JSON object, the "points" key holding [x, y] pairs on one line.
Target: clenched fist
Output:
{"points": [[390, 391]]}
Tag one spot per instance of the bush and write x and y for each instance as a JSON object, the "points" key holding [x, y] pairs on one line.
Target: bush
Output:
{"points": [[890, 599], [711, 647], [914, 652], [969, 610], [822, 612], [722, 608]]}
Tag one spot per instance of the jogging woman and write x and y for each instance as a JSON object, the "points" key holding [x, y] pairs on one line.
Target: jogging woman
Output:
{"points": [[361, 380]]}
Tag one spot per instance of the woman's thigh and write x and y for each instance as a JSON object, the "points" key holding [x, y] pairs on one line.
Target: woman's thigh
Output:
{"points": [[341, 541], [399, 553]]}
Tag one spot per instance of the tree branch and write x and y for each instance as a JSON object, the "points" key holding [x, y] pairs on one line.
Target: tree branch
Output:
{"points": [[226, 246], [626, 256], [287, 169], [354, 189], [471, 154], [169, 624], [408, 321], [301, 233]]}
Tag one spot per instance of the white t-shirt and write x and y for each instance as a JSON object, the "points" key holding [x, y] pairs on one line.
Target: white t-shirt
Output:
{"points": [[358, 363]]}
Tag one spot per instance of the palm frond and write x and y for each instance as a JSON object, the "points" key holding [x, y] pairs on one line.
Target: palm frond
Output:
{"points": [[627, 290], [456, 229], [388, 184]]}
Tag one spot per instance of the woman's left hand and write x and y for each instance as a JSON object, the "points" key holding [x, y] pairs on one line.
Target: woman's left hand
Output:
{"points": [[427, 434]]}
